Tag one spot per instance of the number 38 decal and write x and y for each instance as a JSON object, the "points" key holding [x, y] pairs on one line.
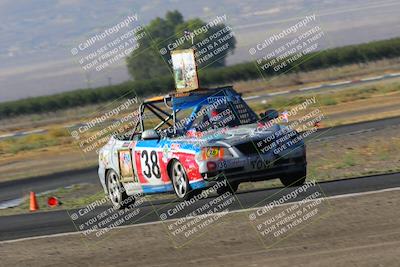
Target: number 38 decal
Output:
{"points": [[150, 164]]}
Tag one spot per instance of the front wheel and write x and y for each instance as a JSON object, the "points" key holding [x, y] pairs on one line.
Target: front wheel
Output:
{"points": [[295, 179], [180, 181]]}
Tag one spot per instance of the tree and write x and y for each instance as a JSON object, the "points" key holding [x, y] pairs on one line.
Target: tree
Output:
{"points": [[213, 42]]}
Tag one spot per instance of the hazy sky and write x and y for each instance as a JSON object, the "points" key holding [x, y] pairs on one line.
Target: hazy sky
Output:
{"points": [[37, 36]]}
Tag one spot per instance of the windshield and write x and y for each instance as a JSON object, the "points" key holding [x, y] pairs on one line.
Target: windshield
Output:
{"points": [[211, 118]]}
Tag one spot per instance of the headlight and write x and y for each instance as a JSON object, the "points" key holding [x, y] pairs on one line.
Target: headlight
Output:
{"points": [[214, 152]]}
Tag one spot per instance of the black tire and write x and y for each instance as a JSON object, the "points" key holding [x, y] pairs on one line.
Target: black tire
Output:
{"points": [[116, 192], [180, 181], [295, 179], [230, 187]]}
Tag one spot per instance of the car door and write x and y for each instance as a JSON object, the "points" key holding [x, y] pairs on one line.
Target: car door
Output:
{"points": [[152, 166], [124, 161]]}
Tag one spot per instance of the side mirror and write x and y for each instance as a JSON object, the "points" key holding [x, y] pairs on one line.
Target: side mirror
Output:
{"points": [[272, 114], [269, 115], [150, 135]]}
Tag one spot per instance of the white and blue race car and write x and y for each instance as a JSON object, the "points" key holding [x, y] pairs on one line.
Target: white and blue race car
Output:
{"points": [[192, 140]]}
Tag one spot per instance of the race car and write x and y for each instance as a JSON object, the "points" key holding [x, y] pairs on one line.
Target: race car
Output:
{"points": [[187, 142]]}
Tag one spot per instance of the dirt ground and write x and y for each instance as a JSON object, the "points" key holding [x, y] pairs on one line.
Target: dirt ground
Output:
{"points": [[358, 231]]}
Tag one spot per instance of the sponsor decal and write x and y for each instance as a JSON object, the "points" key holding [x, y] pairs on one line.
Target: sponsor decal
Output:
{"points": [[175, 146], [125, 162], [166, 153], [285, 116], [214, 99]]}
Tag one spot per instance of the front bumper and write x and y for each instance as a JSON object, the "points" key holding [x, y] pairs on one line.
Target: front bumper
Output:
{"points": [[258, 167], [241, 175]]}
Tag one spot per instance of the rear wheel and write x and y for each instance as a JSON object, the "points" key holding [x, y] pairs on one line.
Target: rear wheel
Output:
{"points": [[180, 181], [295, 179], [116, 191]]}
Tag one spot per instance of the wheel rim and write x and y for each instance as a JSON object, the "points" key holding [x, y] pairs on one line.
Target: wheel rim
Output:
{"points": [[114, 191], [179, 180]]}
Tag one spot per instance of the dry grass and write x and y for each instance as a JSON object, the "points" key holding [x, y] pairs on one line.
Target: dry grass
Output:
{"points": [[78, 195], [348, 156], [368, 153], [56, 151]]}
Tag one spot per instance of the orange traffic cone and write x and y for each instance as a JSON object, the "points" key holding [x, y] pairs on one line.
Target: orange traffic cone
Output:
{"points": [[33, 205]]}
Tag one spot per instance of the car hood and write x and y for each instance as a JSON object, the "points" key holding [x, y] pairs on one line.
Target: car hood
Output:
{"points": [[235, 135]]}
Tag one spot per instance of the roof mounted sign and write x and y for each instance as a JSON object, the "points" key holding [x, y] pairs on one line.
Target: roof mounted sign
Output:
{"points": [[185, 70]]}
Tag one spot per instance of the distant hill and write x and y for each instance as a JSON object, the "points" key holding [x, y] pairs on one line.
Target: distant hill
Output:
{"points": [[37, 36]]}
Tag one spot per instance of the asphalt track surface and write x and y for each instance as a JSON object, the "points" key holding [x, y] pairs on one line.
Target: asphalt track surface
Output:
{"points": [[19, 188], [46, 223]]}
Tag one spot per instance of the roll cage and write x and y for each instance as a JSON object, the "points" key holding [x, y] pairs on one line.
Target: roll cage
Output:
{"points": [[177, 102]]}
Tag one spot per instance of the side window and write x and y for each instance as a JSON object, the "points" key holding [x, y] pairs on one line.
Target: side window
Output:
{"points": [[244, 113], [202, 121], [136, 136]]}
